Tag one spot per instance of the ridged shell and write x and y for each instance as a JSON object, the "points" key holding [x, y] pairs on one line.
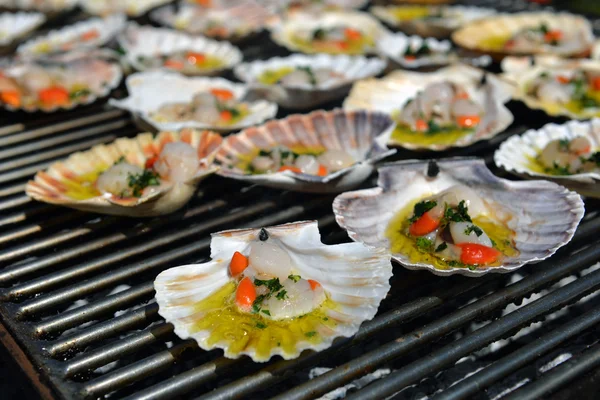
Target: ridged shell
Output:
{"points": [[355, 132], [149, 41], [392, 92], [506, 25], [515, 154], [283, 32], [545, 215], [150, 90], [354, 277], [48, 7], [520, 71], [308, 96], [16, 25], [133, 8], [394, 46], [251, 12], [48, 185], [291, 6], [454, 18], [54, 41], [111, 69]]}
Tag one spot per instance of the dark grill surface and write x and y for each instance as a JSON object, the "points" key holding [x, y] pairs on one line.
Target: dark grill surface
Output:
{"points": [[76, 290]]}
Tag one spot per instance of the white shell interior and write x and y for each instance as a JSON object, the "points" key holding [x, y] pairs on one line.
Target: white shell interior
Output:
{"points": [[45, 6], [15, 25], [133, 8]]}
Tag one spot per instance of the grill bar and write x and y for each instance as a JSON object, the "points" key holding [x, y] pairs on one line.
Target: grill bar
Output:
{"points": [[551, 271], [518, 359]]}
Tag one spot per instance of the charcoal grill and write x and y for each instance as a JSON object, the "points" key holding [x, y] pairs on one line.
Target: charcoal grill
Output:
{"points": [[77, 309]]}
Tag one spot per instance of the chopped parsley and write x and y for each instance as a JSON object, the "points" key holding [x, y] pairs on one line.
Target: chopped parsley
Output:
{"points": [[139, 182], [563, 144], [595, 158], [472, 228], [558, 170], [79, 93], [310, 73], [421, 208], [424, 244], [310, 334], [272, 284], [420, 51], [294, 278], [319, 34], [266, 312], [281, 295], [325, 319], [120, 160], [443, 246], [275, 288], [461, 214], [261, 325]]}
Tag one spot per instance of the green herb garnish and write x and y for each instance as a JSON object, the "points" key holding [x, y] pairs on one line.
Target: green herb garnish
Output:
{"points": [[558, 170], [461, 214], [473, 228], [310, 334], [120, 160], [272, 284], [424, 244], [443, 246], [281, 295], [261, 325], [310, 73], [563, 144], [141, 181], [294, 278], [266, 312], [421, 208], [79, 93]]}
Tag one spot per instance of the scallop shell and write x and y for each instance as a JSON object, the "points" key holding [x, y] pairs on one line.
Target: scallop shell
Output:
{"points": [[283, 32], [355, 132], [392, 92], [48, 186], [506, 25], [521, 71], [454, 18], [54, 41], [150, 90], [354, 277], [308, 96], [48, 7], [133, 8], [515, 154], [146, 41], [544, 214], [251, 12], [16, 25], [98, 69], [394, 46]]}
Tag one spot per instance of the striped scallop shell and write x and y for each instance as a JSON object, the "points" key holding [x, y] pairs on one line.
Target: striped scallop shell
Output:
{"points": [[515, 154], [150, 90], [308, 96], [544, 214], [354, 132], [146, 41], [102, 77], [522, 71], [354, 278], [133, 8], [16, 25], [389, 95], [48, 7], [283, 33], [453, 18], [55, 184], [55, 41], [254, 15], [506, 25]]}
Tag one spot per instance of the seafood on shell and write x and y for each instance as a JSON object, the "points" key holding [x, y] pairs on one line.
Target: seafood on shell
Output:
{"points": [[91, 33], [14, 26], [273, 291], [170, 101], [344, 142], [138, 177], [529, 220], [567, 154], [429, 20], [58, 83], [526, 33], [444, 98], [306, 81], [147, 48], [333, 32]]}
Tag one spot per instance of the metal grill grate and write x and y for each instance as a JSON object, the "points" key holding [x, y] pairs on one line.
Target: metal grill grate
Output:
{"points": [[76, 288]]}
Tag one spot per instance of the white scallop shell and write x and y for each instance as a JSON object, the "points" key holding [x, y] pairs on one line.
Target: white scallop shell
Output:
{"points": [[150, 90], [47, 186], [453, 18], [579, 27], [254, 15], [545, 215], [515, 154], [283, 32], [520, 71], [16, 25], [389, 95], [354, 132], [353, 276], [305, 95], [133, 8], [147, 41], [92, 61], [54, 41], [45, 6], [394, 46]]}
